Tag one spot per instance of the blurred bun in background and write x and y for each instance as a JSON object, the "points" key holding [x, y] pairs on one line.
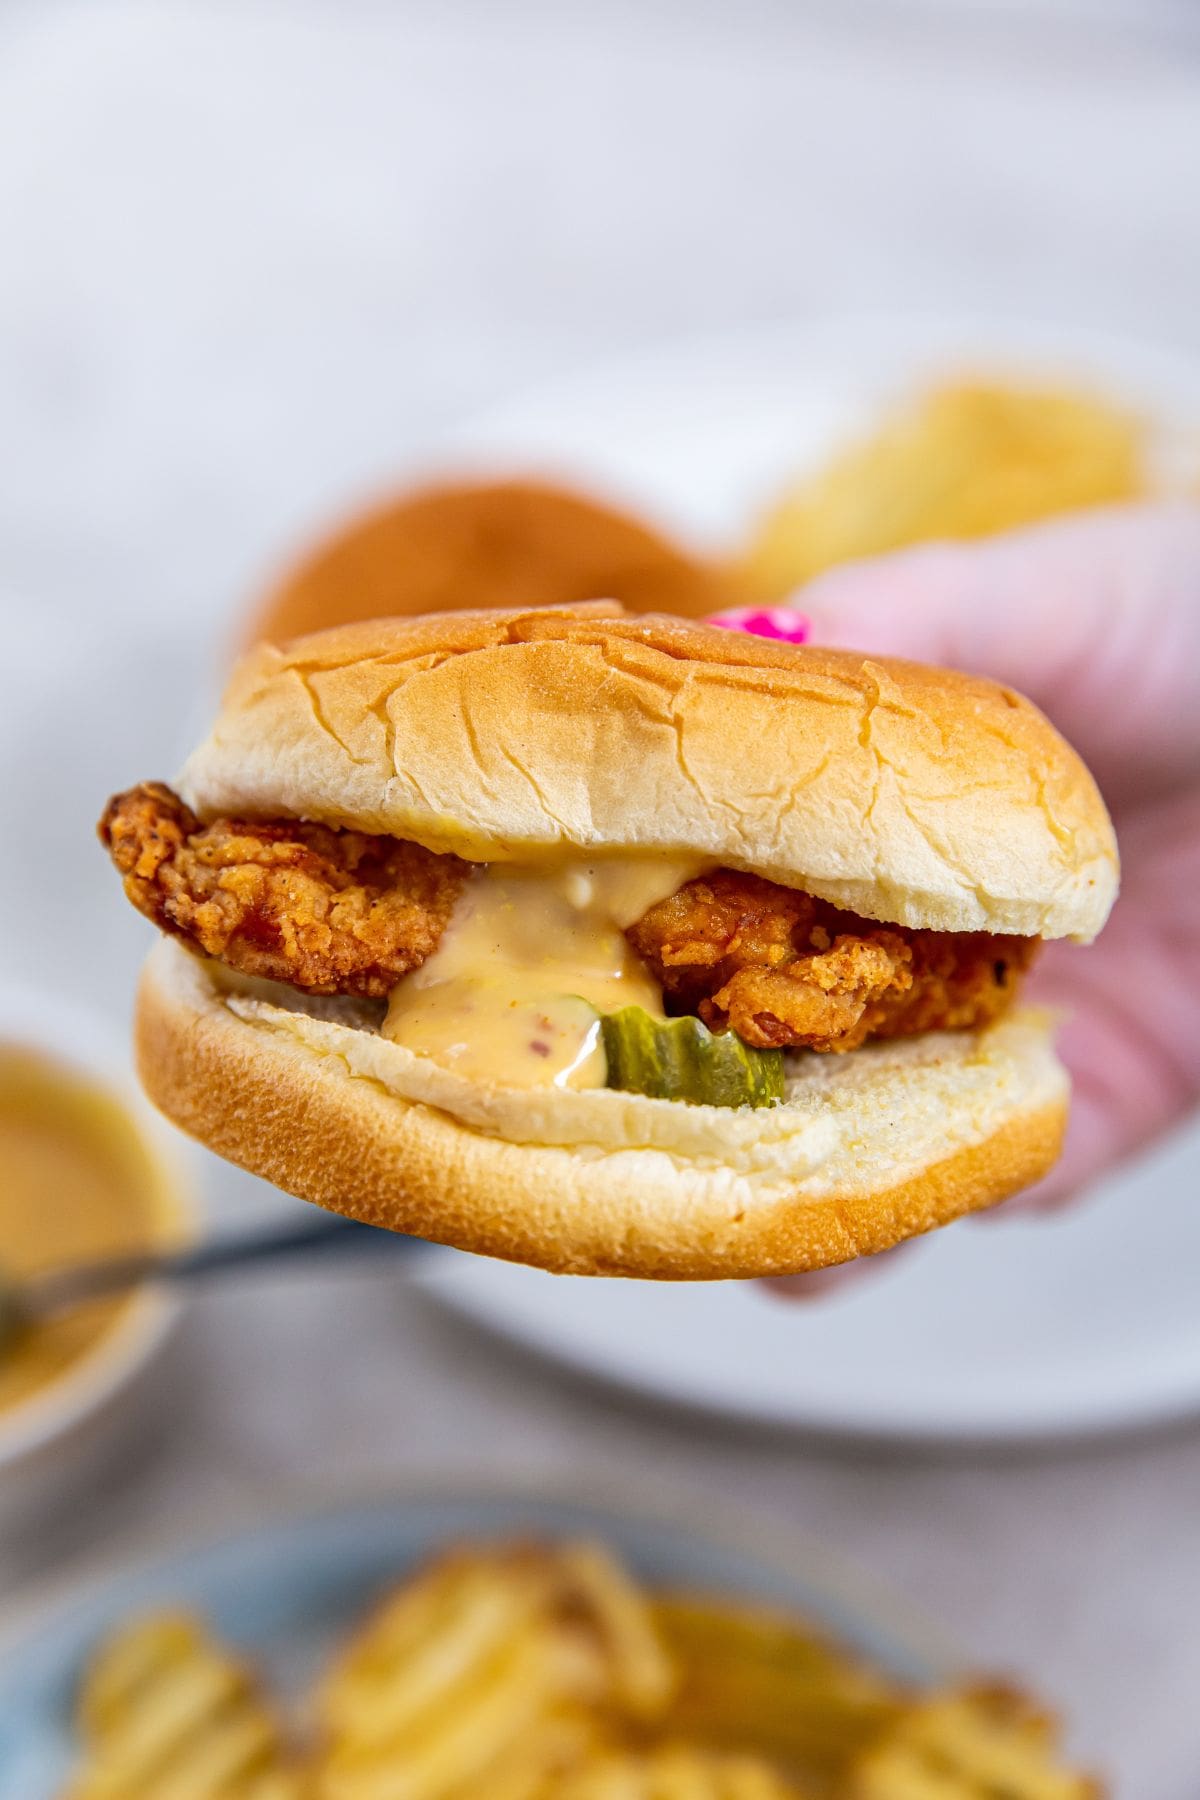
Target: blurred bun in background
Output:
{"points": [[487, 544], [967, 457]]}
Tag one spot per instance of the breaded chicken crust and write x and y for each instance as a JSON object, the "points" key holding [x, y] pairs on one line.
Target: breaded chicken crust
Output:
{"points": [[345, 912], [786, 970], [331, 912]]}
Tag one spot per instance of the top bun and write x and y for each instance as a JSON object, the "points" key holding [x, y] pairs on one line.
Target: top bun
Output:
{"points": [[904, 793]]}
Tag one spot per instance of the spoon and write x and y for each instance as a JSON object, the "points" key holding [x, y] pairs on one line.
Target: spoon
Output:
{"points": [[25, 1302]]}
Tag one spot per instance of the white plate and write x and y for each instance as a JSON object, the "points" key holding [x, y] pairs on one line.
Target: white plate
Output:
{"points": [[989, 1330]]}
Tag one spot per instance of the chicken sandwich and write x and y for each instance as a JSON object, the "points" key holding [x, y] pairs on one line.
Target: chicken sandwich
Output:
{"points": [[614, 945]]}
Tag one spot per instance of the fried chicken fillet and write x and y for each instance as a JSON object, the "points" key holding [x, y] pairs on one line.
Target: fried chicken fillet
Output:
{"points": [[784, 969], [331, 912], [345, 912]]}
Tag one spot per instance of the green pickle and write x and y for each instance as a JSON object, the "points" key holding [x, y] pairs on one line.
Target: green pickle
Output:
{"points": [[681, 1059]]}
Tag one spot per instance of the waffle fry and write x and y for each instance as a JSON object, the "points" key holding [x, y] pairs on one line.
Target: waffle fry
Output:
{"points": [[488, 1660], [675, 1772], [967, 459], [982, 1744], [752, 1679], [640, 1671], [167, 1714], [537, 1766]]}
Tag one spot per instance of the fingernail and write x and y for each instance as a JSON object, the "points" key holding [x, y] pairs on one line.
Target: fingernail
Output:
{"points": [[778, 622]]}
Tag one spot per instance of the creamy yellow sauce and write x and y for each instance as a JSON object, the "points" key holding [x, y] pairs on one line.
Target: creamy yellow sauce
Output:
{"points": [[529, 958], [76, 1182]]}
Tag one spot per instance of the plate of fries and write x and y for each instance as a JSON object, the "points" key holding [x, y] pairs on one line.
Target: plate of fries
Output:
{"points": [[442, 1645], [783, 449]]}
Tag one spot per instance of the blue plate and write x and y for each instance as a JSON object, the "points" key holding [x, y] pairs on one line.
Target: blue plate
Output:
{"points": [[285, 1588]]}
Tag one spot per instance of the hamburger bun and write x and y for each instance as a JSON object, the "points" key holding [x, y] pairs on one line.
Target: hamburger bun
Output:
{"points": [[486, 544]]}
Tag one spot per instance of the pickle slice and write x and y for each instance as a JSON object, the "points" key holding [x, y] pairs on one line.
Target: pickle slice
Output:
{"points": [[681, 1059]]}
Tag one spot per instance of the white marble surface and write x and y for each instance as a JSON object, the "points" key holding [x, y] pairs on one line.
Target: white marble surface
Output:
{"points": [[252, 261]]}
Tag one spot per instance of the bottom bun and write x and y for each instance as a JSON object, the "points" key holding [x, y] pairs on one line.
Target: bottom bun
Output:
{"points": [[867, 1149]]}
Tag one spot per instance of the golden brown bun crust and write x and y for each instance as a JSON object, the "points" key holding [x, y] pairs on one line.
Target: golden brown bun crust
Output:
{"points": [[486, 544], [302, 1122], [902, 792]]}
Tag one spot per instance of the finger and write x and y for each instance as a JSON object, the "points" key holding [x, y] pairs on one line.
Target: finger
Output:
{"points": [[1130, 1035], [1094, 618]]}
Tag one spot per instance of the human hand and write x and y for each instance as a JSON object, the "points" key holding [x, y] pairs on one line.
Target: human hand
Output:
{"points": [[1097, 620]]}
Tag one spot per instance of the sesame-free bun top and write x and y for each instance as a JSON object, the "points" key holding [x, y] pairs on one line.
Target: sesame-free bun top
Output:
{"points": [[905, 793]]}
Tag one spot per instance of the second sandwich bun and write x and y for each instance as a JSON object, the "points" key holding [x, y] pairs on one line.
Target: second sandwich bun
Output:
{"points": [[492, 543]]}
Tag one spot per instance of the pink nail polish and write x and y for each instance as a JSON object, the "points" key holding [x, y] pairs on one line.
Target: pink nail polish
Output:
{"points": [[777, 622]]}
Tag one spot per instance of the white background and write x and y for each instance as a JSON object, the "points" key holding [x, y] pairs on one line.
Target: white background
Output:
{"points": [[253, 259]]}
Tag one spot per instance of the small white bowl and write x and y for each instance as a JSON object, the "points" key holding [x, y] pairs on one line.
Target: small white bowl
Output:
{"points": [[51, 1443]]}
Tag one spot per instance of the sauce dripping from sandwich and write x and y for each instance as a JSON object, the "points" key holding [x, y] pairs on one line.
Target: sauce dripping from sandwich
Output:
{"points": [[530, 957]]}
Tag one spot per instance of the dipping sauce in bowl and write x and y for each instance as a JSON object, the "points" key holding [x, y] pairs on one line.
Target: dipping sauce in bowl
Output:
{"points": [[86, 1169], [78, 1182]]}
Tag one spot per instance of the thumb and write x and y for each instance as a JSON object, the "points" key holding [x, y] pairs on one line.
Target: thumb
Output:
{"points": [[1096, 618]]}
